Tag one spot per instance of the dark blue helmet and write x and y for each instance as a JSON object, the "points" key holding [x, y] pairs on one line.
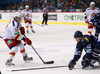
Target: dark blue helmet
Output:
{"points": [[78, 34]]}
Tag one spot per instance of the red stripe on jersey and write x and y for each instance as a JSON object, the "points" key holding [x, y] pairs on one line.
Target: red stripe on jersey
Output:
{"points": [[17, 36]]}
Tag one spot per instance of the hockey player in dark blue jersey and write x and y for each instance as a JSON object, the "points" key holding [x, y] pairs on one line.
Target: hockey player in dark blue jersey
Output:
{"points": [[95, 54], [83, 42], [95, 21]]}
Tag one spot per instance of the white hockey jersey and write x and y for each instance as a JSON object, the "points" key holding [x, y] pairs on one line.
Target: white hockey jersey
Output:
{"points": [[89, 12], [12, 31], [27, 14]]}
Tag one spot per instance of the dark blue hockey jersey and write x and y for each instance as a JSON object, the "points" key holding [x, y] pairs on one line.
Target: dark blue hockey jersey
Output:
{"points": [[86, 44], [95, 20]]}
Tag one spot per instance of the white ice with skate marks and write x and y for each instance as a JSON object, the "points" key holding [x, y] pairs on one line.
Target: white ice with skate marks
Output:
{"points": [[52, 42]]}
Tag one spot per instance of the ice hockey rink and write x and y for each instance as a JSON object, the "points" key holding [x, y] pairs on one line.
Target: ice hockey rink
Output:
{"points": [[52, 42]]}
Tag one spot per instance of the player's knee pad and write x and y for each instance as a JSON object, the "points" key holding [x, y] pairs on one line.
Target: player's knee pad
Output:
{"points": [[21, 46], [31, 27], [26, 26]]}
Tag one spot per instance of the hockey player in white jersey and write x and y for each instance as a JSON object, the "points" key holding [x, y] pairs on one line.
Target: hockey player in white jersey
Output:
{"points": [[27, 15], [12, 36], [91, 11]]}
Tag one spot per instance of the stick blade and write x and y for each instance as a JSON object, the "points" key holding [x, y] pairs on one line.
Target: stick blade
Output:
{"points": [[50, 62]]}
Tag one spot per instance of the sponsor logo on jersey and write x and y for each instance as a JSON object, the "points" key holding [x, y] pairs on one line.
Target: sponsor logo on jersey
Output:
{"points": [[9, 42], [86, 39], [16, 33], [92, 14], [16, 30]]}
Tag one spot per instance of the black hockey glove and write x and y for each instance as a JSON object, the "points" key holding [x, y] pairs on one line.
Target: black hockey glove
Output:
{"points": [[85, 63], [71, 65]]}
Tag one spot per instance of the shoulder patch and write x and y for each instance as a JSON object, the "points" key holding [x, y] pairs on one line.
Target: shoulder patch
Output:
{"points": [[86, 39], [88, 8]]}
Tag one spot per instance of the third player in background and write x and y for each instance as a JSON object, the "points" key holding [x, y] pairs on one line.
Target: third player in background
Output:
{"points": [[27, 15], [89, 13]]}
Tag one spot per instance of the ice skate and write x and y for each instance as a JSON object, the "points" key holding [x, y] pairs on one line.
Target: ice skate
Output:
{"points": [[26, 58], [46, 24], [33, 31], [98, 60], [85, 67], [27, 31], [8, 63], [92, 63]]}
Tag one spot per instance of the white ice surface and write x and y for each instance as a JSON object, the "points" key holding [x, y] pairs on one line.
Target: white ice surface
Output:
{"points": [[53, 42]]}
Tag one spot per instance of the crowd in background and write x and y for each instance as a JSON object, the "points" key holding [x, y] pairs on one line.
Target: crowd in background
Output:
{"points": [[63, 5]]}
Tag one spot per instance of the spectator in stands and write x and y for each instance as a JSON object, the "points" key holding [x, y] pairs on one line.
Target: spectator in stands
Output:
{"points": [[43, 6], [60, 4]]}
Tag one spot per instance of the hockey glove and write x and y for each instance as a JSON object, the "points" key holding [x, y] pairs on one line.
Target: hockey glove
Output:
{"points": [[22, 30], [29, 21], [85, 63], [71, 65], [28, 41], [86, 20]]}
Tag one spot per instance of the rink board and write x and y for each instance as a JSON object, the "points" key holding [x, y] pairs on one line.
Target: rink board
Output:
{"points": [[66, 18]]}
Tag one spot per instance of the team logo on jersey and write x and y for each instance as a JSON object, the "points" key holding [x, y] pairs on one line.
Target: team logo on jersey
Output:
{"points": [[9, 42], [86, 39], [16, 30], [27, 15], [92, 14]]}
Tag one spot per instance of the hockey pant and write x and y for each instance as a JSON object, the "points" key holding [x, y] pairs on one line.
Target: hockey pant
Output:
{"points": [[14, 49], [90, 28]]}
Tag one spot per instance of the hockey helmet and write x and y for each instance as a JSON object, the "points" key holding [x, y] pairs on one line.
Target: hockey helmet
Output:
{"points": [[78, 34], [26, 6], [92, 3], [17, 14]]}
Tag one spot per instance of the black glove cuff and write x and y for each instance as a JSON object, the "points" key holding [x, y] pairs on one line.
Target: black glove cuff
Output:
{"points": [[23, 38]]}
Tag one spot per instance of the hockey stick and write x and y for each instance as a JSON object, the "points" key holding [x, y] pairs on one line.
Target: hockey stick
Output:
{"points": [[39, 68], [49, 62]]}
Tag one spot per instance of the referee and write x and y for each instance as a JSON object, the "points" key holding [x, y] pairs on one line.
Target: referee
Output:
{"points": [[45, 15]]}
